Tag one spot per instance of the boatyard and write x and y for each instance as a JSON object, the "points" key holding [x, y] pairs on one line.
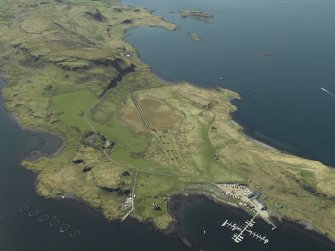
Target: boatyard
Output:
{"points": [[247, 198]]}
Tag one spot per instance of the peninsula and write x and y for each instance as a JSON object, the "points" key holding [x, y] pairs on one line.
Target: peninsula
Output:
{"points": [[134, 140]]}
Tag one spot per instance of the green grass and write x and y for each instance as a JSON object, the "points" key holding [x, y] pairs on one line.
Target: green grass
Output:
{"points": [[72, 106], [155, 188], [128, 142], [208, 150]]}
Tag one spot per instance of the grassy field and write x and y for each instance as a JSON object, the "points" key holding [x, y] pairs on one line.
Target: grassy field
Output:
{"points": [[60, 61], [71, 108]]}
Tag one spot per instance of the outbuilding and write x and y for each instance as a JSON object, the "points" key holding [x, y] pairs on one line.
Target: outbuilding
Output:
{"points": [[259, 204]]}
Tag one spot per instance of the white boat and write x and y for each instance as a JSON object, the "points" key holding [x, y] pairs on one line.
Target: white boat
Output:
{"points": [[328, 92]]}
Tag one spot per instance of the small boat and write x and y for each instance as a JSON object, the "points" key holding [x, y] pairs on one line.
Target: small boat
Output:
{"points": [[328, 92], [266, 53], [204, 231]]}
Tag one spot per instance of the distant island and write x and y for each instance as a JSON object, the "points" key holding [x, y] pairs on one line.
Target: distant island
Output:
{"points": [[196, 14], [195, 37], [133, 140]]}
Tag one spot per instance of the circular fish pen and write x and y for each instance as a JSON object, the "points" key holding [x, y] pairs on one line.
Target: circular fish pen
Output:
{"points": [[24, 209], [43, 218], [54, 222], [63, 228], [74, 233], [34, 213]]}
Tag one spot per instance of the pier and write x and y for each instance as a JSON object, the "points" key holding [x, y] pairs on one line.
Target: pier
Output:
{"points": [[132, 198], [242, 230]]}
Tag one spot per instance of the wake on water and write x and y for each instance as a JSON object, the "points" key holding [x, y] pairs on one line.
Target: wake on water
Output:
{"points": [[326, 91]]}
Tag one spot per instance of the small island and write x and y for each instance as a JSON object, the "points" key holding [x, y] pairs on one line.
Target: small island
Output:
{"points": [[196, 14], [195, 37]]}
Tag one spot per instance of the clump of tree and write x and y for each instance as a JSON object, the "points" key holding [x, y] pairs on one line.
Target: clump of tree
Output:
{"points": [[119, 181], [78, 161], [117, 190], [97, 140], [87, 169]]}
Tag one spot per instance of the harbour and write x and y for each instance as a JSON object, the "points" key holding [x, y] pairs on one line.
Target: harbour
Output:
{"points": [[211, 216], [239, 236]]}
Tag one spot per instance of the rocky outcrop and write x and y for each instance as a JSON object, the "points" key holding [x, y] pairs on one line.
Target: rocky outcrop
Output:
{"points": [[97, 15]]}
